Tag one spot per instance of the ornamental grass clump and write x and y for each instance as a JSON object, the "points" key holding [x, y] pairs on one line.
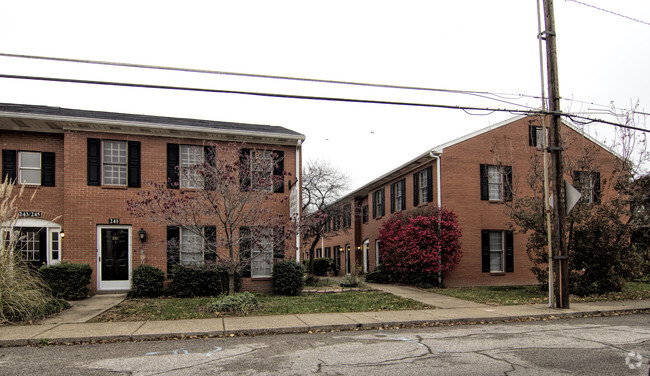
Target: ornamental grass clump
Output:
{"points": [[23, 294]]}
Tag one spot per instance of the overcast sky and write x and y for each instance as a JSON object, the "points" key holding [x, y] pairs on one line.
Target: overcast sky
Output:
{"points": [[473, 45]]}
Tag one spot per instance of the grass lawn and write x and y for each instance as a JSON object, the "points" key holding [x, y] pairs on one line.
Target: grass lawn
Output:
{"points": [[512, 295], [166, 308]]}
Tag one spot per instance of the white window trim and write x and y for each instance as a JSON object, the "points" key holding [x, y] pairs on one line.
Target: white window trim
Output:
{"points": [[21, 168], [258, 253], [400, 187], [180, 247], [193, 181], [423, 186], [376, 253], [125, 164], [502, 251], [491, 182]]}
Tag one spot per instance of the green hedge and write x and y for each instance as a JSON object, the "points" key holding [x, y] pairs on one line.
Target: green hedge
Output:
{"points": [[190, 281], [146, 282], [67, 281], [287, 277], [321, 265]]}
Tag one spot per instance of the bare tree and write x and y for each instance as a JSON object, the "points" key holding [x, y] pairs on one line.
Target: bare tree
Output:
{"points": [[222, 198], [323, 184]]}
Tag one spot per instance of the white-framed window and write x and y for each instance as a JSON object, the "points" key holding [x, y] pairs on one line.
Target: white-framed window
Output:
{"points": [[496, 251], [423, 187], [114, 162], [398, 196], [262, 254], [588, 183], [55, 246], [29, 167], [495, 182], [191, 247], [262, 170], [191, 158], [378, 203], [377, 253], [30, 245]]}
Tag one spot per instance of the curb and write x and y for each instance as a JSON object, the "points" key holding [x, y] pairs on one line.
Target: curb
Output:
{"points": [[42, 340]]}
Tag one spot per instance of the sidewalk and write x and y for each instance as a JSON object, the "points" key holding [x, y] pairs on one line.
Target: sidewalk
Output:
{"points": [[448, 310]]}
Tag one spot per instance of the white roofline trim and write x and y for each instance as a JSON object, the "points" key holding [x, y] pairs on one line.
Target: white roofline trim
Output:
{"points": [[152, 125]]}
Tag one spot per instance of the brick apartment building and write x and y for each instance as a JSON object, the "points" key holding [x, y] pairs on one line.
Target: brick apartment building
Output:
{"points": [[475, 176], [85, 165]]}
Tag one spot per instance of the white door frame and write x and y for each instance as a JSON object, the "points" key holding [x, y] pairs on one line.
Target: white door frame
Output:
{"points": [[50, 228], [112, 285], [365, 256]]}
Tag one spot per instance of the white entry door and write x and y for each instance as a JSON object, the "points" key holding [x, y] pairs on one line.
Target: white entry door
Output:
{"points": [[114, 257]]}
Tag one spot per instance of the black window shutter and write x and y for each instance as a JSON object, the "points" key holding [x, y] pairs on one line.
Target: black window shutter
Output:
{"points": [[8, 165], [245, 251], [47, 169], [278, 171], [210, 249], [278, 245], [485, 194], [507, 189], [383, 202], [392, 198], [485, 250], [244, 169], [510, 254], [173, 246], [596, 185], [403, 183], [173, 163], [134, 164], [94, 161], [374, 204], [430, 183], [532, 135], [209, 154], [416, 190]]}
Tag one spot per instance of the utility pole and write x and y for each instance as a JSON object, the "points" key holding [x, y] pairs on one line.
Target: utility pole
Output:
{"points": [[557, 168]]}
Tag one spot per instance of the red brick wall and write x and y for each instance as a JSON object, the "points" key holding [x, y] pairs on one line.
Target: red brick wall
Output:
{"points": [[84, 207], [47, 200], [507, 145]]}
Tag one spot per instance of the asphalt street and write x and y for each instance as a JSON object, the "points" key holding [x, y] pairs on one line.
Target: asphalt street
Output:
{"points": [[618, 345]]}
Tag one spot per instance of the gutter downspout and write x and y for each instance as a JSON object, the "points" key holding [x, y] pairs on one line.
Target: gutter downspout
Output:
{"points": [[299, 188], [436, 154]]}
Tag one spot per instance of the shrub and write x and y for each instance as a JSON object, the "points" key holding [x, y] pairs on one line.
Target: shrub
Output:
{"points": [[146, 282], [240, 303], [379, 275], [68, 281], [287, 277], [189, 281], [321, 265], [420, 244]]}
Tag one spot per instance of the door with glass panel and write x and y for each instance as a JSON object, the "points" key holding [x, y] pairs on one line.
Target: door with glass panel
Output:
{"points": [[114, 258]]}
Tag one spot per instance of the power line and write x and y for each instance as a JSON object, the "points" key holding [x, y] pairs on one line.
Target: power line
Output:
{"points": [[610, 12], [317, 98], [483, 94], [495, 96], [259, 94]]}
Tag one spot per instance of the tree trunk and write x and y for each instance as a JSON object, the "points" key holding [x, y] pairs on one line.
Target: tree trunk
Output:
{"points": [[310, 268], [231, 283]]}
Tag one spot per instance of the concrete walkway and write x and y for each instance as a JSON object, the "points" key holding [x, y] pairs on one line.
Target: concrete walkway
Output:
{"points": [[68, 328], [435, 300], [84, 310]]}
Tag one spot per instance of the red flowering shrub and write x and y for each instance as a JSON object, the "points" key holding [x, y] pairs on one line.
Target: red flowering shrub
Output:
{"points": [[423, 242]]}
